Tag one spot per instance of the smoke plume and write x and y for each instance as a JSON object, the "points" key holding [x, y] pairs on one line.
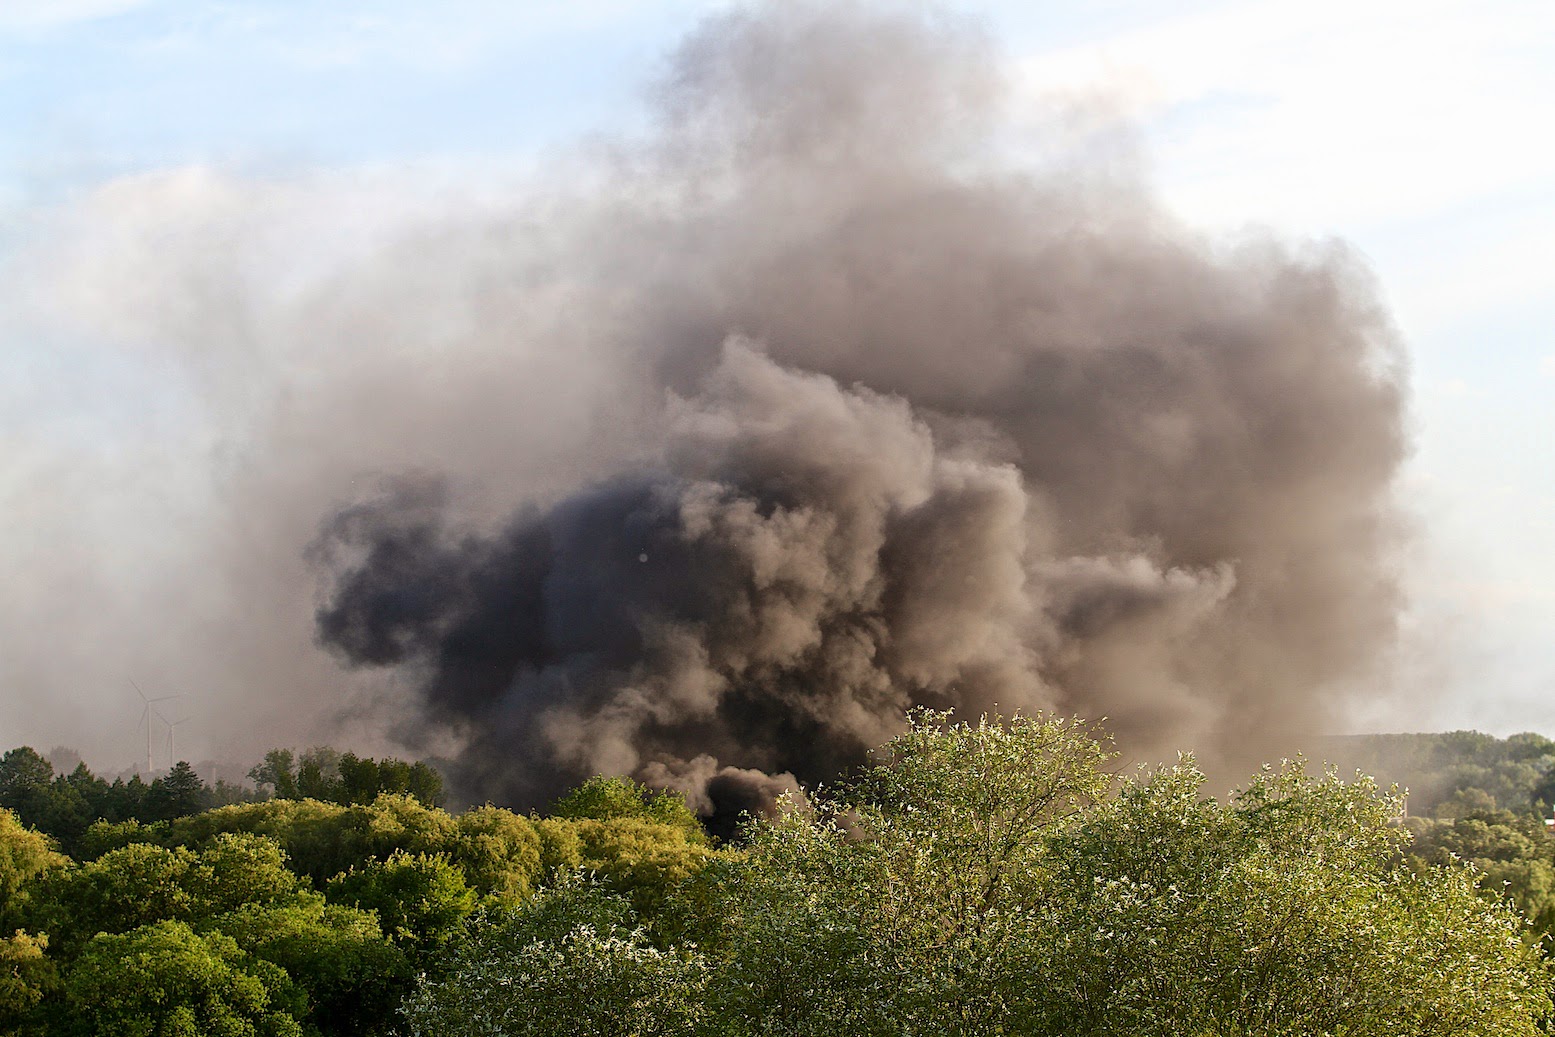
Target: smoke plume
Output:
{"points": [[870, 402]]}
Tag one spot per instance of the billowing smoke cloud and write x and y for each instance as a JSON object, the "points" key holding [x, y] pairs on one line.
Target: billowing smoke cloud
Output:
{"points": [[865, 416]]}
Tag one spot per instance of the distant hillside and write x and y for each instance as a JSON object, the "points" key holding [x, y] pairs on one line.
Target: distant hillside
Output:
{"points": [[1456, 773]]}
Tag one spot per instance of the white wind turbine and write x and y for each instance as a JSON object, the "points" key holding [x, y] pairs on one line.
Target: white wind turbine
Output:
{"points": [[172, 731], [149, 709]]}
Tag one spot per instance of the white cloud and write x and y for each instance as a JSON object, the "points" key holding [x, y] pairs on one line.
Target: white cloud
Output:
{"points": [[1330, 113]]}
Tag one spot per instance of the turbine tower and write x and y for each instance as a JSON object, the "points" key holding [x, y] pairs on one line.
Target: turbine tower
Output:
{"points": [[148, 708], [172, 732]]}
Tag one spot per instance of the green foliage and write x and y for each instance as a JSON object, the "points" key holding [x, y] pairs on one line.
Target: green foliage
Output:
{"points": [[330, 776], [499, 853], [1457, 773], [574, 962], [976, 879], [609, 799], [69, 806], [990, 879], [102, 836], [561, 850], [165, 980], [25, 778], [1513, 852], [352, 976], [141, 884], [24, 856], [324, 839], [278, 771], [1283, 913], [421, 900], [25, 977], [913, 902], [643, 860], [178, 793]]}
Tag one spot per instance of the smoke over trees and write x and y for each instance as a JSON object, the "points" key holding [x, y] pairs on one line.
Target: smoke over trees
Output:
{"points": [[875, 415]]}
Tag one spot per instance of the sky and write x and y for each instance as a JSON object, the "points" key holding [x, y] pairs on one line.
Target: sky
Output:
{"points": [[307, 136]]}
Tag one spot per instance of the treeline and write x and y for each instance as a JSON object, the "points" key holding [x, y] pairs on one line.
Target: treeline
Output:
{"points": [[1477, 800], [64, 806], [1457, 773], [977, 880], [335, 777], [296, 916]]}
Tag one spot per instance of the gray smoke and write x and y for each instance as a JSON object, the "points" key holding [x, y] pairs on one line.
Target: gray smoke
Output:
{"points": [[872, 417]]}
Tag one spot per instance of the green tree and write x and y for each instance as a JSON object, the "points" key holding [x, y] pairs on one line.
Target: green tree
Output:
{"points": [[141, 884], [26, 975], [499, 853], [25, 855], [573, 962], [352, 976], [424, 783], [1284, 912], [102, 836], [913, 902], [644, 860], [1512, 852], [363, 779], [165, 980], [178, 793], [421, 900], [610, 799], [25, 777], [994, 879], [359, 779], [126, 800], [318, 775], [278, 772], [323, 839], [329, 776]]}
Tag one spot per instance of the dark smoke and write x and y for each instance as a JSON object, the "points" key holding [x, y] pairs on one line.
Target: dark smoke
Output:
{"points": [[912, 426]]}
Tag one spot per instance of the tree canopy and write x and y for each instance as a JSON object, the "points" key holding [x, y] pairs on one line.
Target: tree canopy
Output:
{"points": [[992, 878], [975, 879]]}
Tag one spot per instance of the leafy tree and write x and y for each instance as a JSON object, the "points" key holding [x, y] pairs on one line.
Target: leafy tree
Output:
{"points": [[644, 860], [25, 777], [278, 772], [421, 900], [561, 850], [573, 962], [992, 878], [65, 806], [913, 903], [25, 855], [1512, 852], [141, 884], [499, 853], [318, 775], [165, 980], [323, 839], [126, 800], [178, 793], [610, 799], [359, 778], [329, 776], [1457, 773], [26, 975], [102, 836], [352, 976]]}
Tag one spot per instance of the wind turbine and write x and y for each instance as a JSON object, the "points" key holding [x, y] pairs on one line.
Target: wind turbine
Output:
{"points": [[147, 710], [172, 730]]}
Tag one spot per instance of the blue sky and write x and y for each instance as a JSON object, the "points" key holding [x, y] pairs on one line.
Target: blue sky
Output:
{"points": [[1417, 131]]}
